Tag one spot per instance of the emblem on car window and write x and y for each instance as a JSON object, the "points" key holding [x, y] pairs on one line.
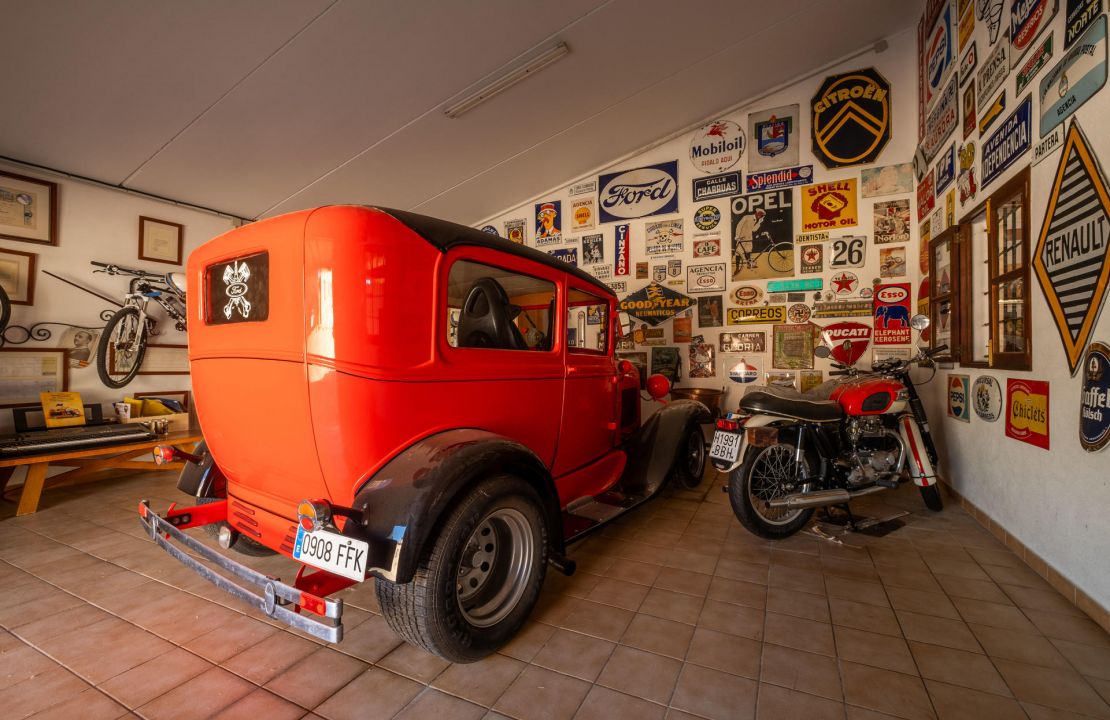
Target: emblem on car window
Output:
{"points": [[235, 278]]}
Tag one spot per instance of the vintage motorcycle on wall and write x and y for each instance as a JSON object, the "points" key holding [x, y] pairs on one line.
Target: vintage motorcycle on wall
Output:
{"points": [[787, 453]]}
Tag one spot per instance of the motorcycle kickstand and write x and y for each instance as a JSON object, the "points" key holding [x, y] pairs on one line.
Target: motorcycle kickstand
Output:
{"points": [[849, 526]]}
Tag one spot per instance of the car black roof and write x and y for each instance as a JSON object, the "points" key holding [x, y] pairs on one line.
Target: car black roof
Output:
{"points": [[445, 235]]}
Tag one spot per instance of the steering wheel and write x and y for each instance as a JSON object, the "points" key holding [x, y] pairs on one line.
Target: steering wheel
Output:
{"points": [[487, 318]]}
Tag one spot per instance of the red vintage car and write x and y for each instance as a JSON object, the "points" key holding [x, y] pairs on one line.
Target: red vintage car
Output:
{"points": [[386, 395]]}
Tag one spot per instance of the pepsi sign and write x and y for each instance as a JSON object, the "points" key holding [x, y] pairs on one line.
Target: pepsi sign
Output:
{"points": [[651, 190]]}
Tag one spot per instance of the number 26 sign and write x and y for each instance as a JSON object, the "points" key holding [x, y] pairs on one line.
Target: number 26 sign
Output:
{"points": [[848, 251]]}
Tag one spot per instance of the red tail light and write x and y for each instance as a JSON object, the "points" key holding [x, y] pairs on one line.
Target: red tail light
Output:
{"points": [[729, 425], [164, 454]]}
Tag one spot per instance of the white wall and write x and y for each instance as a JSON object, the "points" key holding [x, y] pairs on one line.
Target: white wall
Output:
{"points": [[1052, 501], [97, 223]]}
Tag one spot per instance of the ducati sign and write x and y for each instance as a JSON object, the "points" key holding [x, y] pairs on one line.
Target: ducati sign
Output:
{"points": [[851, 118], [848, 341]]}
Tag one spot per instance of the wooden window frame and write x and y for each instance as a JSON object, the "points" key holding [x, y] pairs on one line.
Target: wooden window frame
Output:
{"points": [[952, 237]]}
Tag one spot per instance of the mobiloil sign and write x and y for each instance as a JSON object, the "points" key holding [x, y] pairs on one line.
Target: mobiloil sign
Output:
{"points": [[651, 190], [1009, 142]]}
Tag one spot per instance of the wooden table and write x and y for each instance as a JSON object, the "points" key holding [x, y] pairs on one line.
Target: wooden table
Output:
{"points": [[85, 462]]}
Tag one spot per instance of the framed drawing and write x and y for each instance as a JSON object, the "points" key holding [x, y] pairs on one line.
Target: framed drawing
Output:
{"points": [[26, 372], [165, 360], [28, 209], [160, 240], [17, 276]]}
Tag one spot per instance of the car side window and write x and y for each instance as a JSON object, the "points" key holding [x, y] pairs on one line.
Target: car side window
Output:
{"points": [[489, 307], [587, 322]]}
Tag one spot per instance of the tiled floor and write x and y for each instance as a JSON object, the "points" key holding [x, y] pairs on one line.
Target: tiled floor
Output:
{"points": [[675, 612]]}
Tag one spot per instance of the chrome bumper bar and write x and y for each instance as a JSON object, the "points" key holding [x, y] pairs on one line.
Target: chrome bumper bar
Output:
{"points": [[275, 598]]}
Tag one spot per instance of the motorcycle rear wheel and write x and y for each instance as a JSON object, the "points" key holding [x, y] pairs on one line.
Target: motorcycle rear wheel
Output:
{"points": [[762, 477], [931, 496]]}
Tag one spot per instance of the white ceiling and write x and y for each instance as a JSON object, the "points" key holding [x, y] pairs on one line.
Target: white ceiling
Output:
{"points": [[257, 107]]}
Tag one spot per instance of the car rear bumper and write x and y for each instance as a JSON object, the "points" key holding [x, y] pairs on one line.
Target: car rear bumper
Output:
{"points": [[278, 600]]}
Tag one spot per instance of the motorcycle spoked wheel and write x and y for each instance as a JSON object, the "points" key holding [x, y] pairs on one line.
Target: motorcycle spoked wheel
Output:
{"points": [[763, 476], [121, 348], [931, 496]]}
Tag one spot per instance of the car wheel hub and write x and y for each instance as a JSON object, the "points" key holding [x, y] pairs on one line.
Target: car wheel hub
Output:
{"points": [[495, 566]]}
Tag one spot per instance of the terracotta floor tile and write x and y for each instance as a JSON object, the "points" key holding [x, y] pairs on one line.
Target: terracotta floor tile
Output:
{"points": [[22, 663], [632, 571], [692, 561], [798, 604], [957, 667], [877, 650], [885, 691], [728, 653], [640, 674], [683, 581], [954, 568], [776, 703], [938, 631], [1008, 645], [974, 589], [414, 663], [986, 556], [810, 581], [155, 677], [794, 559], [260, 704], [850, 569], [861, 591], [370, 641], [201, 697], [1018, 575], [738, 592], [862, 616], [714, 695], [1062, 689], [434, 704], [732, 619], [1092, 660], [528, 641], [922, 601], [619, 593], [663, 637], [602, 621], [953, 702], [539, 694], [670, 605], [1007, 616], [605, 704], [374, 695], [230, 639], [799, 634], [1067, 627], [52, 687], [1040, 599], [316, 677], [88, 705], [900, 577], [798, 670], [267, 659], [481, 682], [574, 654], [105, 649], [742, 570]]}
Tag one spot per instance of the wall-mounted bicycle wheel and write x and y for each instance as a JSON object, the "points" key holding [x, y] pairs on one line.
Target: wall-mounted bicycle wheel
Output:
{"points": [[5, 313], [122, 347]]}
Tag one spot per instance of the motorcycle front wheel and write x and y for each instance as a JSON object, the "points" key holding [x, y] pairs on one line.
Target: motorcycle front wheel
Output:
{"points": [[931, 496], [119, 354], [764, 475]]}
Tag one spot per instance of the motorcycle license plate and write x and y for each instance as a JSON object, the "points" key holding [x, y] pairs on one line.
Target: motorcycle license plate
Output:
{"points": [[338, 554], [726, 446]]}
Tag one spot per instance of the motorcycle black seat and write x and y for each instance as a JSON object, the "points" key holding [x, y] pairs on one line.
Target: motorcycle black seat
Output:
{"points": [[791, 404]]}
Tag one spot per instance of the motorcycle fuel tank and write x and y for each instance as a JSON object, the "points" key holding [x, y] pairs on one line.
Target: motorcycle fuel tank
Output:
{"points": [[871, 396]]}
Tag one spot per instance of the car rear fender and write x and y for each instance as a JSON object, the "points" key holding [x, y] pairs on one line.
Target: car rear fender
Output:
{"points": [[652, 450], [405, 501], [202, 479]]}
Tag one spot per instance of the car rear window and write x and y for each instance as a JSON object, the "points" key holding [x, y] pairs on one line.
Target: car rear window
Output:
{"points": [[493, 308]]}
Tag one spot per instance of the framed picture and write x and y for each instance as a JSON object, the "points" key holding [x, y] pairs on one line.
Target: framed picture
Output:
{"points": [[165, 360], [160, 240], [26, 372], [17, 276], [28, 209]]}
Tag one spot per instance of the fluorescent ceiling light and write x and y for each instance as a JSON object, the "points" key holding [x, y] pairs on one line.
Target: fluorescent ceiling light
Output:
{"points": [[506, 81]]}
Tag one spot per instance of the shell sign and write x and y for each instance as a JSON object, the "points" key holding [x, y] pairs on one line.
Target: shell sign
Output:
{"points": [[1027, 411]]}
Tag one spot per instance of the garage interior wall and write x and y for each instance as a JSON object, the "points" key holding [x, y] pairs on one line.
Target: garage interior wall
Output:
{"points": [[102, 224], [1050, 502]]}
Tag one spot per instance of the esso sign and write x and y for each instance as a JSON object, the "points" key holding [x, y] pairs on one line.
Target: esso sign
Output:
{"points": [[706, 281], [891, 295]]}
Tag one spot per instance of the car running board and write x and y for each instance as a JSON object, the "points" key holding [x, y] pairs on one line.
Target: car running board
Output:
{"points": [[587, 514]]}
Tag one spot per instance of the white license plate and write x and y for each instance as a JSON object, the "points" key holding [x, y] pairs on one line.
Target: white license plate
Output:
{"points": [[338, 554], [726, 446]]}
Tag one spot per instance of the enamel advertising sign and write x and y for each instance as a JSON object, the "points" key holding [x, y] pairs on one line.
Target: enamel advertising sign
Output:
{"points": [[774, 133], [715, 186], [847, 341], [829, 206], [1094, 398], [655, 303], [850, 118], [1009, 142], [1027, 19], [651, 190], [1071, 258], [958, 390], [717, 146], [1027, 416], [1074, 80], [892, 308]]}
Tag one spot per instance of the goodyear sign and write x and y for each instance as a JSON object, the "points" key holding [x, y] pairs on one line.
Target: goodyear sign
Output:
{"points": [[655, 303], [757, 315], [850, 118]]}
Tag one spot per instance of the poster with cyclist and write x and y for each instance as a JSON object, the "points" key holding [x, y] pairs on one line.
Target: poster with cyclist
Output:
{"points": [[763, 235]]}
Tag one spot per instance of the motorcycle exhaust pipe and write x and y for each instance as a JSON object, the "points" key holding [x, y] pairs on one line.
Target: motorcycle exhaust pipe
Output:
{"points": [[821, 498]]}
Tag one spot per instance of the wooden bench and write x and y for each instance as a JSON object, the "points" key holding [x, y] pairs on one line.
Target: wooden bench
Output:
{"points": [[85, 462]]}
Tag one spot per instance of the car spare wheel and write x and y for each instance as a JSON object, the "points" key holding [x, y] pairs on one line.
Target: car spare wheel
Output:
{"points": [[478, 580]]}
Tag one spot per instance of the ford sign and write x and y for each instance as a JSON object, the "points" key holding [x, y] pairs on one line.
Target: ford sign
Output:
{"points": [[651, 190]]}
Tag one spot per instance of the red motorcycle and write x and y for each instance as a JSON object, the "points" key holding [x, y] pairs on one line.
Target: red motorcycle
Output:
{"points": [[788, 453]]}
